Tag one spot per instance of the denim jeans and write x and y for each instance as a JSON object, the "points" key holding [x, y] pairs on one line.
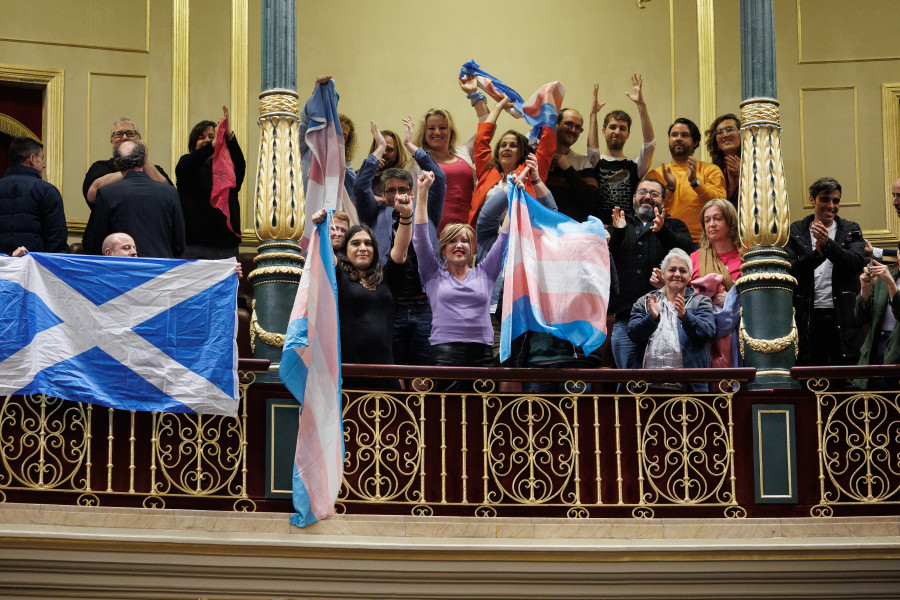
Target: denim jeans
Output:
{"points": [[412, 326], [623, 349]]}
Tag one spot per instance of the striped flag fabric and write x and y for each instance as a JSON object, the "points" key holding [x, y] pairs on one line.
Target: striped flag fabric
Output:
{"points": [[557, 274], [149, 334], [325, 176], [540, 110], [311, 369]]}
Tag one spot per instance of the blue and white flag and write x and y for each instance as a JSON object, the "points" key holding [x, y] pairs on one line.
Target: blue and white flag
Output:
{"points": [[128, 333]]}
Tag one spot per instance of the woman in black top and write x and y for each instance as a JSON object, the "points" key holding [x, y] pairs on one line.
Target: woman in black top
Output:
{"points": [[207, 231]]}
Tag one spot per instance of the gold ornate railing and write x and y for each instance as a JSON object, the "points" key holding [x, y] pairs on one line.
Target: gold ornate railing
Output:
{"points": [[858, 434], [51, 445]]}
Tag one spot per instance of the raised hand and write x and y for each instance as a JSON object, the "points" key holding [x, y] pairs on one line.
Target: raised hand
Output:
{"points": [[669, 176], [409, 126], [653, 306], [692, 169], [403, 204], [323, 79], [678, 303], [733, 165], [318, 216], [426, 178], [596, 105], [618, 217], [659, 219], [468, 84], [379, 139], [656, 279], [637, 94]]}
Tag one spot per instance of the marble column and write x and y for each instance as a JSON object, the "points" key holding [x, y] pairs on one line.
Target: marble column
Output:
{"points": [[767, 331], [279, 212]]}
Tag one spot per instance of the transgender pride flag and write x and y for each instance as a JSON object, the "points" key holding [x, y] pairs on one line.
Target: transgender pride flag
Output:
{"points": [[325, 178], [311, 370], [540, 110], [556, 275]]}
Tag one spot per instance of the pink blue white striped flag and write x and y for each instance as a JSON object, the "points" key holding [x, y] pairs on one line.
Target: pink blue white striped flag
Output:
{"points": [[540, 110], [311, 370], [325, 176], [556, 275]]}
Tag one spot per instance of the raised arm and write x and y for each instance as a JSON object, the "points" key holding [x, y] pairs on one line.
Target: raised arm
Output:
{"points": [[366, 205], [469, 84], [426, 178], [498, 108], [593, 142], [637, 96], [404, 206]]}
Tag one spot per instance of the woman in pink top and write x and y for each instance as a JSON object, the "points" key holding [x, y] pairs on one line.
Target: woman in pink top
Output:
{"points": [[437, 136]]}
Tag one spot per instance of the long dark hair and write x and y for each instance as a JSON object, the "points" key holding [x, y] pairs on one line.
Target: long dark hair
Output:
{"points": [[374, 275], [712, 145]]}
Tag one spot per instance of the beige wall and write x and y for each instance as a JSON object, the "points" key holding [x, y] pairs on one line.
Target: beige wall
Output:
{"points": [[389, 62]]}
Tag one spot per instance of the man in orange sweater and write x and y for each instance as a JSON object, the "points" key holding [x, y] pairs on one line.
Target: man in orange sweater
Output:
{"points": [[690, 183]]}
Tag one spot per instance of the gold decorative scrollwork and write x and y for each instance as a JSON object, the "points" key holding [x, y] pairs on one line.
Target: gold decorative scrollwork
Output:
{"points": [[2, 496], [858, 446], [818, 385], [385, 430], [423, 384], [198, 455], [484, 386], [767, 346], [642, 512], [820, 511], [280, 201], [637, 388], [485, 511], [340, 508], [745, 279], [578, 512], [685, 449], [422, 510], [244, 505], [274, 270], [531, 449], [277, 255], [154, 501], [43, 442], [735, 512], [276, 340], [88, 500]]}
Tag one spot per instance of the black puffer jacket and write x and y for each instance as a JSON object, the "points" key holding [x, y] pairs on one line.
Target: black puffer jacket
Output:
{"points": [[31, 213]]}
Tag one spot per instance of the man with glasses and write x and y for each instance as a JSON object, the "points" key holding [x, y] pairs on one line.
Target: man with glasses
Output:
{"points": [[571, 178], [638, 243], [412, 316], [617, 176], [104, 172]]}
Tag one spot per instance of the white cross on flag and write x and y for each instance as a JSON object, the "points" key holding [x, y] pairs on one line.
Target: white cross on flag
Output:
{"points": [[128, 333]]}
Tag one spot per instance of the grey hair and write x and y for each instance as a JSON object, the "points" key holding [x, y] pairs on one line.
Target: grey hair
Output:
{"points": [[676, 253], [124, 120], [131, 160]]}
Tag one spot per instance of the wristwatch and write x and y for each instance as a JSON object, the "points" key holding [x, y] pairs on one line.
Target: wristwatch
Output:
{"points": [[695, 183]]}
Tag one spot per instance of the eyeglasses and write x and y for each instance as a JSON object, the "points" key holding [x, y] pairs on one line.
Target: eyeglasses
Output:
{"points": [[131, 133], [726, 130], [403, 190], [573, 125], [652, 193]]}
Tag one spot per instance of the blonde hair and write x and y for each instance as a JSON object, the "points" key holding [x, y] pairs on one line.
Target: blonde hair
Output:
{"points": [[350, 140], [450, 232], [420, 130], [731, 221]]}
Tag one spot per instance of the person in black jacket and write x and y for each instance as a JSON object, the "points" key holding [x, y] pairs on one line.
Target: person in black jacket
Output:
{"points": [[31, 209], [207, 231], [638, 244], [827, 254]]}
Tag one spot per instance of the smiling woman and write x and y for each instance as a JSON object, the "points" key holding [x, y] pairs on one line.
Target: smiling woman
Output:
{"points": [[723, 141]]}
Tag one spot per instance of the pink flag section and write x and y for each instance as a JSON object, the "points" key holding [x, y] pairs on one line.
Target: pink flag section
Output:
{"points": [[556, 276], [311, 370], [223, 176]]}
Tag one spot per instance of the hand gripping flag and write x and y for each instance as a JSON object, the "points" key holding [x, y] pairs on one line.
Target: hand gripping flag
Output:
{"points": [[311, 370], [556, 275], [223, 177], [540, 110], [325, 176], [127, 333]]}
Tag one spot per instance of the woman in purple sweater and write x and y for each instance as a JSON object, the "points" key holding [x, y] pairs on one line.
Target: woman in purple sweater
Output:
{"points": [[459, 292]]}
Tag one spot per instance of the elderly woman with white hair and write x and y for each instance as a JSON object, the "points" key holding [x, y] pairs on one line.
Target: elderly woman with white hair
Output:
{"points": [[674, 324]]}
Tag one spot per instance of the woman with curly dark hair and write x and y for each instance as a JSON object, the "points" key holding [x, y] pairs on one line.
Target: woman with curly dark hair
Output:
{"points": [[723, 141]]}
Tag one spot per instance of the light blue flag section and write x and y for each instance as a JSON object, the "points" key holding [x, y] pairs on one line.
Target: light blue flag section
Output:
{"points": [[127, 333]]}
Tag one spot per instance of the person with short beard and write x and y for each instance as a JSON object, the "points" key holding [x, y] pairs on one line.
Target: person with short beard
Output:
{"points": [[638, 243], [616, 175], [147, 210], [690, 183]]}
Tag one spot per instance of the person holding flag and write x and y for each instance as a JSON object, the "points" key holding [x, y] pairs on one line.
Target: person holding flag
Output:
{"points": [[208, 179]]}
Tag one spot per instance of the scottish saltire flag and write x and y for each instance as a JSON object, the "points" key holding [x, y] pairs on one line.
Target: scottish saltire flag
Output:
{"points": [[311, 370], [556, 275], [128, 333], [325, 176], [540, 110], [223, 177]]}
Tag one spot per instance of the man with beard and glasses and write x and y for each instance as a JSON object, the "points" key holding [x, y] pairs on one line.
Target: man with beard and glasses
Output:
{"points": [[147, 210], [617, 176], [827, 254], [571, 178], [637, 244], [690, 183]]}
